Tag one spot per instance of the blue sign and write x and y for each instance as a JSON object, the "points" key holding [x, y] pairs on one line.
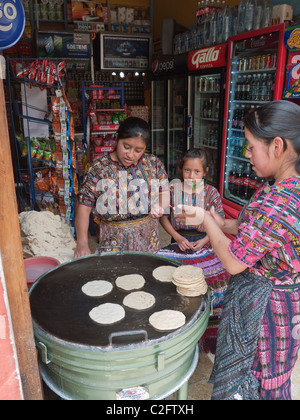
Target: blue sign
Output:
{"points": [[12, 22]]}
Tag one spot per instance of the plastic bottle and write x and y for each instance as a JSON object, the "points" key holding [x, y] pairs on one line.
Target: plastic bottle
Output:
{"points": [[258, 14], [267, 14], [227, 24], [252, 184], [239, 181], [241, 16], [253, 87], [231, 180], [213, 28], [206, 24], [249, 15], [245, 182], [269, 88], [264, 88], [220, 22], [198, 13]]}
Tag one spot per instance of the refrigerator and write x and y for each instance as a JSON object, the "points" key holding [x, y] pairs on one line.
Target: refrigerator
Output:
{"points": [[207, 76], [255, 75], [291, 89], [169, 110]]}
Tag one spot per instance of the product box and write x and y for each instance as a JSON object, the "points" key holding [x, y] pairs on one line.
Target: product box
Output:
{"points": [[281, 13]]}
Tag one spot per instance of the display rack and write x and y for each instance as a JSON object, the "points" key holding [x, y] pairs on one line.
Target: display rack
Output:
{"points": [[252, 73], [104, 107], [44, 165]]}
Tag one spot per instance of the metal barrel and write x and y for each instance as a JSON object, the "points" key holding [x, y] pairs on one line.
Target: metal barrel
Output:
{"points": [[78, 373]]}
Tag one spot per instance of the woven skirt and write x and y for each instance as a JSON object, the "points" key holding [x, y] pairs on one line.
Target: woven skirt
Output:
{"points": [[278, 344], [140, 235]]}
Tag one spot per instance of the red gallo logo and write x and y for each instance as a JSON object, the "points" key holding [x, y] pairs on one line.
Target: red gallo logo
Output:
{"points": [[12, 22], [204, 56]]}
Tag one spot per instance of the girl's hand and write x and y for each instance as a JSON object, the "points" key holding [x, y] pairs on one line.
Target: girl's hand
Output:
{"points": [[183, 243], [200, 244]]}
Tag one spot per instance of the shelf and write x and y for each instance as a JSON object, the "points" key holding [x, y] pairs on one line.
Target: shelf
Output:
{"points": [[209, 147], [106, 127], [235, 101], [272, 70], [243, 159], [209, 119], [104, 149], [214, 92]]}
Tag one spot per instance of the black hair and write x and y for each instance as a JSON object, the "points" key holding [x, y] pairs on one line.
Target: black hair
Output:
{"points": [[276, 119], [134, 127], [195, 153]]}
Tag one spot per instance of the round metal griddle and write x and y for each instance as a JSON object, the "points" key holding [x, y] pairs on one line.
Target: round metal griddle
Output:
{"points": [[60, 308]]}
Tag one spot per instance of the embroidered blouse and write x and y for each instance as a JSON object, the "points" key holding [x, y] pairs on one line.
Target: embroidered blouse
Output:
{"points": [[206, 197], [269, 233], [122, 193]]}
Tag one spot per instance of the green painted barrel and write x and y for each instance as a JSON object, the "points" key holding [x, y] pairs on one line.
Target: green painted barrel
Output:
{"points": [[92, 372]]}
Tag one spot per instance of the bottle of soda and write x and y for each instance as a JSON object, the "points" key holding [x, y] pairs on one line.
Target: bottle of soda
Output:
{"points": [[245, 182], [267, 14], [249, 15], [238, 91], [258, 15], [264, 88], [238, 181], [252, 184], [231, 180], [241, 16], [227, 24]]}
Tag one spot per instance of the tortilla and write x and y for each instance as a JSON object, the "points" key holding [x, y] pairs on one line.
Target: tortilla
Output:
{"points": [[130, 282], [190, 281], [139, 300], [167, 320], [164, 273], [97, 288], [107, 314]]}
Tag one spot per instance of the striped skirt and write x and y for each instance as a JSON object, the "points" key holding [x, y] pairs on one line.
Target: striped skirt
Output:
{"points": [[278, 344], [258, 340], [139, 235]]}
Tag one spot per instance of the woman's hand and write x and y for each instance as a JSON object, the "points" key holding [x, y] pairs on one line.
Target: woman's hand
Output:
{"points": [[217, 218], [190, 216], [82, 251], [156, 211]]}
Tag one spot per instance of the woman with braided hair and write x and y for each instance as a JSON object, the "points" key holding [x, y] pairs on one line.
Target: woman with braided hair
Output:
{"points": [[259, 334]]}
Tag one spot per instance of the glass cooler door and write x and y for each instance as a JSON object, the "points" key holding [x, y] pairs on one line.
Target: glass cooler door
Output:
{"points": [[251, 84], [206, 120], [159, 119], [177, 132]]}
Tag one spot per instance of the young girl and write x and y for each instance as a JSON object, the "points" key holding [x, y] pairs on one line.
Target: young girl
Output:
{"points": [[258, 338], [195, 192]]}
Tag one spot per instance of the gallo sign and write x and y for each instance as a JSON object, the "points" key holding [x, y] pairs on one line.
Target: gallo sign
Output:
{"points": [[207, 58], [12, 22]]}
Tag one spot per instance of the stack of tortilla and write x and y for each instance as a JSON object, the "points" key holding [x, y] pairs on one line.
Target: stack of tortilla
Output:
{"points": [[189, 281]]}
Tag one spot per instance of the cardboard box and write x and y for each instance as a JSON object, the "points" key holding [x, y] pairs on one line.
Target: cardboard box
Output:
{"points": [[281, 13]]}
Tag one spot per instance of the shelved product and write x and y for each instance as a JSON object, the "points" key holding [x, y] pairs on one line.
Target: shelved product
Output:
{"points": [[207, 127], [104, 109], [43, 137], [254, 78]]}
